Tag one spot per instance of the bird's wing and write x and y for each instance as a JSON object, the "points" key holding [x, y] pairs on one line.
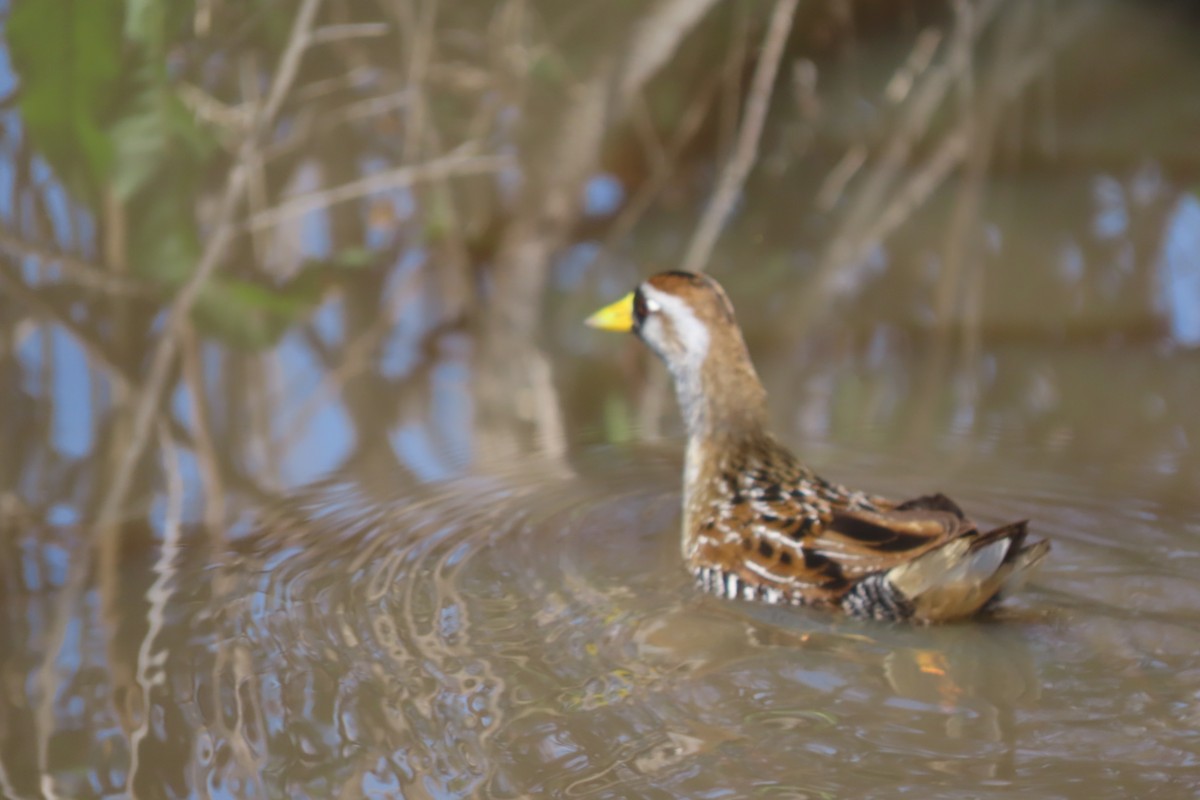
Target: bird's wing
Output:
{"points": [[802, 546], [862, 542]]}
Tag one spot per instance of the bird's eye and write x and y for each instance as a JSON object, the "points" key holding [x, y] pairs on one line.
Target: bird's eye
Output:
{"points": [[643, 306], [640, 309]]}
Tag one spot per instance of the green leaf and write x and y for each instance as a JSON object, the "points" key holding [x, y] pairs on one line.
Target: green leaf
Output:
{"points": [[354, 258], [140, 144], [618, 419], [158, 136], [548, 68], [68, 56], [164, 244], [145, 23], [251, 315], [156, 24]]}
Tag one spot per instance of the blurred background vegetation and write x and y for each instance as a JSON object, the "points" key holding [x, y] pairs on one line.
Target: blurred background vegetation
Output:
{"points": [[264, 231]]}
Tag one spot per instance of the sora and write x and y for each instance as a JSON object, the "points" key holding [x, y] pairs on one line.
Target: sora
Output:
{"points": [[759, 525]]}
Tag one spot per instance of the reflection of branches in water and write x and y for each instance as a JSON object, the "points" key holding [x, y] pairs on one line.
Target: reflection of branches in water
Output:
{"points": [[151, 675], [151, 393], [469, 241], [878, 189], [376, 652], [524, 243]]}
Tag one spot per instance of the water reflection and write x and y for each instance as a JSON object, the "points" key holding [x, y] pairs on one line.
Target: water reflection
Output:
{"points": [[1179, 276], [372, 637], [398, 526]]}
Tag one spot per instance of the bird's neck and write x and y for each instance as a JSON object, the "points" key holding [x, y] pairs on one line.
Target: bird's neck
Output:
{"points": [[724, 407], [722, 400]]}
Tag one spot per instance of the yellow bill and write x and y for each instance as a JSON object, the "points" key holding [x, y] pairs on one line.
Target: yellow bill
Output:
{"points": [[615, 317]]}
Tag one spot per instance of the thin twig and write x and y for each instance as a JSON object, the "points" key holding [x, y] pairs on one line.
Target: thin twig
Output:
{"points": [[953, 148], [420, 42], [913, 121], [745, 151], [549, 205], [206, 451], [68, 598], [662, 168], [76, 270], [99, 355], [457, 162], [341, 33], [354, 358], [655, 41], [218, 244]]}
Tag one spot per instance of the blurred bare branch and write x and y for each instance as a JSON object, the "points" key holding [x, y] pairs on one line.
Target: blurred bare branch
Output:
{"points": [[745, 151], [461, 161], [549, 204], [67, 607], [347, 32], [76, 271], [99, 354], [654, 41], [150, 394], [883, 201]]}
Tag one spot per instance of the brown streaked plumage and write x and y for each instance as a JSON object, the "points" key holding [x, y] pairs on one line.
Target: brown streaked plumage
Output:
{"points": [[759, 525]]}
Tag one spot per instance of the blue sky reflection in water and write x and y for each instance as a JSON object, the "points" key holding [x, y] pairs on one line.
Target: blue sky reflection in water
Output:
{"points": [[1179, 273], [381, 545]]}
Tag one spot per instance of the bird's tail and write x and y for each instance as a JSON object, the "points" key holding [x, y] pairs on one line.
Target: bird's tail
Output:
{"points": [[962, 576]]}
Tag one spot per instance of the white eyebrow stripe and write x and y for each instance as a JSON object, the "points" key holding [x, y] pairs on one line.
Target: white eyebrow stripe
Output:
{"points": [[688, 326]]}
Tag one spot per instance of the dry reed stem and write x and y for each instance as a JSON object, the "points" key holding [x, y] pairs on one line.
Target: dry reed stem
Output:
{"points": [[745, 151]]}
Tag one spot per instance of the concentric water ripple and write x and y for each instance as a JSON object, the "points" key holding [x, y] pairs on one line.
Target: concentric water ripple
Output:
{"points": [[530, 632], [387, 641]]}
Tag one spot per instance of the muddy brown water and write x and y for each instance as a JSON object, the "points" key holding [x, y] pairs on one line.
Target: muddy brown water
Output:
{"points": [[422, 586], [527, 630]]}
